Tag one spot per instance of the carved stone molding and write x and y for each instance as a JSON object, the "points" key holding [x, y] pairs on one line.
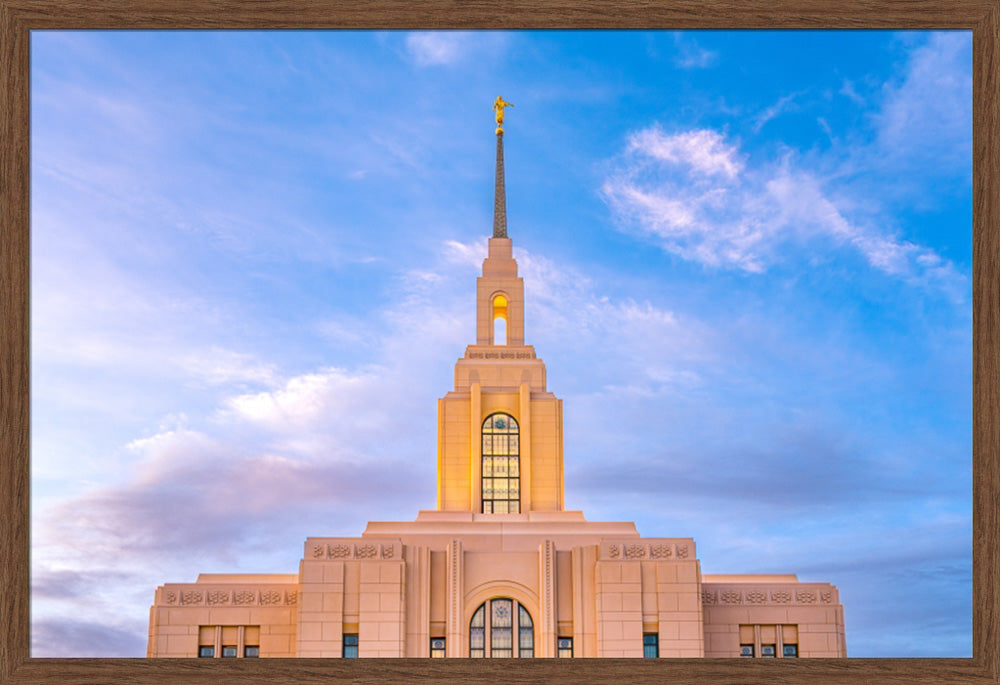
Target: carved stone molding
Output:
{"points": [[635, 551], [218, 597], [343, 550], [657, 550], [340, 551], [762, 595], [244, 597], [781, 597], [731, 597], [239, 596], [365, 551], [660, 551]]}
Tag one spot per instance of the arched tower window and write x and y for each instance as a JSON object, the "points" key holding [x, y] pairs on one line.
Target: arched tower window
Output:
{"points": [[500, 319], [501, 465], [501, 628]]}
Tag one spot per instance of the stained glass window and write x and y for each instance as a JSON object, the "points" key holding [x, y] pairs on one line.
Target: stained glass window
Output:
{"points": [[526, 634], [477, 633], [564, 647], [437, 647], [501, 485], [507, 619]]}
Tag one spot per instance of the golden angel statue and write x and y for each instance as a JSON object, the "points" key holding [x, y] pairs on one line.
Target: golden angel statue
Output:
{"points": [[498, 106]]}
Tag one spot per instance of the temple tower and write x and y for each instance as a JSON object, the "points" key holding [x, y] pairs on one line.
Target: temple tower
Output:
{"points": [[500, 430]]}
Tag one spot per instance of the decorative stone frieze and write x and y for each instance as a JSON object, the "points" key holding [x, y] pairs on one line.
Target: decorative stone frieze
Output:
{"points": [[365, 551], [762, 595], [216, 597], [635, 551], [660, 551], [238, 596], [781, 597], [340, 551], [270, 597], [656, 549], [731, 597], [245, 597]]}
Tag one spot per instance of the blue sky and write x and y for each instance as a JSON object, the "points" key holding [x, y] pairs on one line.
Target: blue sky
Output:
{"points": [[747, 259]]}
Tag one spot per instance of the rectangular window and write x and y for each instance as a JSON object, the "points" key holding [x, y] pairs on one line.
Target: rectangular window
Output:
{"points": [[746, 650], [228, 651], [790, 651], [564, 647], [350, 646], [251, 651], [650, 646], [437, 647], [206, 651], [768, 651]]}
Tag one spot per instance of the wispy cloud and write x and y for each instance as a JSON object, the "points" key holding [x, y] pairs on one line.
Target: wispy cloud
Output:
{"points": [[693, 193], [926, 115], [783, 105], [690, 55], [447, 48]]}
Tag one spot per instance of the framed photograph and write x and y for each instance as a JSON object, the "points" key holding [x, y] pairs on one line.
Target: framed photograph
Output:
{"points": [[238, 267]]}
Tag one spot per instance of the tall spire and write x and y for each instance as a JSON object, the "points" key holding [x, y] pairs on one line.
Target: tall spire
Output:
{"points": [[500, 192]]}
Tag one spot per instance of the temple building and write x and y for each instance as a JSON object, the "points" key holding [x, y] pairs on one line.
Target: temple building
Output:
{"points": [[500, 568]]}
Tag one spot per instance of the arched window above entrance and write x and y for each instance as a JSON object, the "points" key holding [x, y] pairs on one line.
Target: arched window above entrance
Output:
{"points": [[501, 628]]}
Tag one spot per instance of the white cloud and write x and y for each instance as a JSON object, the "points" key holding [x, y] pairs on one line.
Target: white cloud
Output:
{"points": [[704, 150], [692, 193]]}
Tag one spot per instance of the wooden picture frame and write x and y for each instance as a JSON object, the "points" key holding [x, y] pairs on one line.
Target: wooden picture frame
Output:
{"points": [[19, 17]]}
